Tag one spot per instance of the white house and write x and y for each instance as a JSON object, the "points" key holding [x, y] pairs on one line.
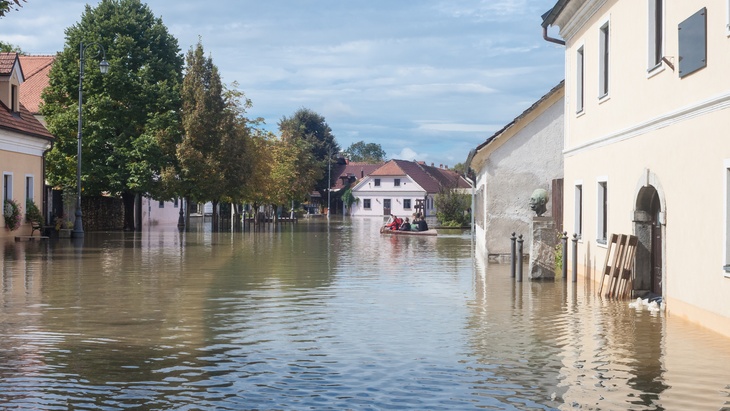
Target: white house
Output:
{"points": [[398, 187], [524, 155]]}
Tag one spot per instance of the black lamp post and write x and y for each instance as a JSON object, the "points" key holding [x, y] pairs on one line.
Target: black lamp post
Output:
{"points": [[78, 231]]}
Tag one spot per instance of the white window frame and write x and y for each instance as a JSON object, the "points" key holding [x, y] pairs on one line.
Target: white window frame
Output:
{"points": [[727, 18], [602, 205], [652, 64], [578, 211], [29, 187], [726, 200], [7, 187], [580, 76], [408, 206], [367, 204], [604, 60], [376, 182]]}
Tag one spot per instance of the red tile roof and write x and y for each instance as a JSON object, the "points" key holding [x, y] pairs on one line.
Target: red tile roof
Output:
{"points": [[7, 61], [22, 122], [352, 169], [431, 179], [36, 70]]}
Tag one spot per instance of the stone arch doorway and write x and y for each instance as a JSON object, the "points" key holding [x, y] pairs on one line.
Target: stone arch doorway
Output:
{"points": [[649, 224]]}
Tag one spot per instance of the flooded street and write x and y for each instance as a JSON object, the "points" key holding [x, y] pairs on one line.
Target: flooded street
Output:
{"points": [[327, 315]]}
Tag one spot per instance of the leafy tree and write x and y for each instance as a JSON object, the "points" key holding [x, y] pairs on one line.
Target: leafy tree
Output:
{"points": [[130, 114], [7, 5], [9, 48], [368, 153], [311, 127], [452, 207]]}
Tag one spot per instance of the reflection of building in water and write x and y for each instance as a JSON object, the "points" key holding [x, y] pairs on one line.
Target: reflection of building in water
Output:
{"points": [[557, 340]]}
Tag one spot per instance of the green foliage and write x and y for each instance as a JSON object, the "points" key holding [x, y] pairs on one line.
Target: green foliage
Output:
{"points": [[9, 48], [13, 215], [32, 213], [130, 115], [8, 5], [311, 127], [452, 208], [348, 199], [367, 153]]}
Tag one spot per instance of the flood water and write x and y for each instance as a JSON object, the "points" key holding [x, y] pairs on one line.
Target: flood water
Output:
{"points": [[327, 315]]}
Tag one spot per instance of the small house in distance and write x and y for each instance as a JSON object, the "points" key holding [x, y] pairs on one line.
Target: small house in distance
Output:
{"points": [[524, 155], [400, 187]]}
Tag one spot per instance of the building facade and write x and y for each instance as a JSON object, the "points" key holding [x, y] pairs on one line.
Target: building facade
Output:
{"points": [[524, 155], [646, 108]]}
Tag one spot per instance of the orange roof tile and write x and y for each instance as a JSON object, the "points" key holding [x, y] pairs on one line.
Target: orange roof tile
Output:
{"points": [[36, 69]]}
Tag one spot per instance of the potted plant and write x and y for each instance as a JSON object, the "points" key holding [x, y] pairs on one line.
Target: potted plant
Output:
{"points": [[34, 216]]}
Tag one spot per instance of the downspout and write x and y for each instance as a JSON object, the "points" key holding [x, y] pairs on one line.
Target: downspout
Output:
{"points": [[551, 39]]}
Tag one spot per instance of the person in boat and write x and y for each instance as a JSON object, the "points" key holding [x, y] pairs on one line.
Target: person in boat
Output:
{"points": [[421, 223], [406, 226], [394, 223]]}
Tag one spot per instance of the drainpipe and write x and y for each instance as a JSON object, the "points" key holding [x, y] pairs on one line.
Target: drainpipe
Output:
{"points": [[551, 39]]}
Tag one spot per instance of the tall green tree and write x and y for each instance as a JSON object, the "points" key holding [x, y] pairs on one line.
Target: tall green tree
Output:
{"points": [[365, 152], [213, 154], [311, 127], [129, 114], [9, 48]]}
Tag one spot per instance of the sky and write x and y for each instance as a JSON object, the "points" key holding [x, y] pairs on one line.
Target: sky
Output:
{"points": [[428, 80]]}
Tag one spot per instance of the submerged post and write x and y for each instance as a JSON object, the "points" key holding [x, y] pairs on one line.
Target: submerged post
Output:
{"points": [[513, 255], [575, 258], [519, 258], [565, 255]]}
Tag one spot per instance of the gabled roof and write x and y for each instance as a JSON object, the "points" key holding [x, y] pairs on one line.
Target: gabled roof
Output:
{"points": [[8, 62], [431, 179], [36, 69], [357, 170], [23, 122]]}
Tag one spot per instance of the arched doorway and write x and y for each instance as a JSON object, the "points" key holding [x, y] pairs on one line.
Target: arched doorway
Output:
{"points": [[649, 228]]}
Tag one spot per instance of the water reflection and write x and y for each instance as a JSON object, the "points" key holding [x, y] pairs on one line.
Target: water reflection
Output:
{"points": [[326, 314]]}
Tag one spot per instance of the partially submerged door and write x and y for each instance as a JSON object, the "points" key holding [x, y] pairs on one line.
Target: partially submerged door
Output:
{"points": [[386, 206]]}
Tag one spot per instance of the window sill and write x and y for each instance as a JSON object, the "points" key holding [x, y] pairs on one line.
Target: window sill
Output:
{"points": [[653, 71], [604, 98], [602, 243], [580, 113]]}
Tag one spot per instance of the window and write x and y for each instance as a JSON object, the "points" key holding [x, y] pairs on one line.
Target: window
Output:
{"points": [[29, 188], [603, 62], [727, 219], [14, 106], [396, 182], [377, 182], [162, 204], [407, 203], [7, 187], [693, 43], [366, 203], [578, 223], [580, 76], [656, 33], [602, 216]]}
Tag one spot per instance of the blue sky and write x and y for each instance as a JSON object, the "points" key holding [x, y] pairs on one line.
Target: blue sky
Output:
{"points": [[426, 79]]}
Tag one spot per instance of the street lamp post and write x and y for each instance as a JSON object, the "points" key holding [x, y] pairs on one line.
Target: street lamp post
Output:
{"points": [[78, 231]]}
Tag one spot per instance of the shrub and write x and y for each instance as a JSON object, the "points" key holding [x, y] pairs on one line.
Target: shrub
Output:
{"points": [[13, 215], [452, 208], [32, 213]]}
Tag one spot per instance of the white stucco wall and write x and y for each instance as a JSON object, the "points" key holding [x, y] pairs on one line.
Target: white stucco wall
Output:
{"points": [[512, 169]]}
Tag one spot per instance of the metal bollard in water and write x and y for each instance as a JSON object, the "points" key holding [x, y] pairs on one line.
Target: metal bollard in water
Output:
{"points": [[519, 258], [565, 255], [575, 258], [513, 255]]}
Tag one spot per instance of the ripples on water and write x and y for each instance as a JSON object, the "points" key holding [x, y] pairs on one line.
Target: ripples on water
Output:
{"points": [[327, 316]]}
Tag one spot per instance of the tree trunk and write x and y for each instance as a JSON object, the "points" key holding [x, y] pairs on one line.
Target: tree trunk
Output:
{"points": [[128, 200], [214, 217], [138, 212]]}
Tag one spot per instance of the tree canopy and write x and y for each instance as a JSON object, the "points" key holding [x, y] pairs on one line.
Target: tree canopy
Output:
{"points": [[365, 152], [311, 127], [129, 114], [7, 5]]}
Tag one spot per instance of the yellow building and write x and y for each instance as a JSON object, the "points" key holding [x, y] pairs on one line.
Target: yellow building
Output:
{"points": [[23, 141], [647, 105]]}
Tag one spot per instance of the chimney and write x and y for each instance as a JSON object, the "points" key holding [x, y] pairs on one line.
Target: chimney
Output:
{"points": [[441, 166], [431, 164], [362, 173]]}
